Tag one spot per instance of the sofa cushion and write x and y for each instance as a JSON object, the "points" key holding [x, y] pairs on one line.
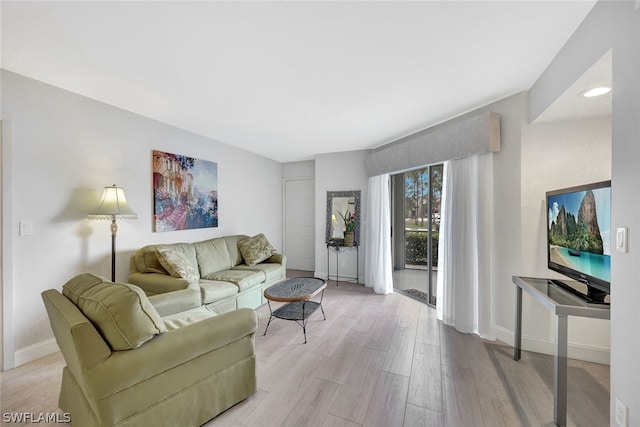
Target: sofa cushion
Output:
{"points": [[255, 249], [121, 312], [178, 320], [212, 256], [243, 279], [177, 264], [213, 291], [271, 270]]}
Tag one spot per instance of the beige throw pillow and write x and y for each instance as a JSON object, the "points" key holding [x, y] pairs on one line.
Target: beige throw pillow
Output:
{"points": [[177, 264], [121, 312], [255, 249]]}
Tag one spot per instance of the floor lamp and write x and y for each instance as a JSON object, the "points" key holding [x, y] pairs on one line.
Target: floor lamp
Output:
{"points": [[113, 205]]}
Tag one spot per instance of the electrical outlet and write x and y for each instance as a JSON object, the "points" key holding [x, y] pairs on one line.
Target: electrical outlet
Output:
{"points": [[622, 414]]}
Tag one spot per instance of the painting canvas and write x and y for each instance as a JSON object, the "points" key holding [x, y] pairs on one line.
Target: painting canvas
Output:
{"points": [[185, 192]]}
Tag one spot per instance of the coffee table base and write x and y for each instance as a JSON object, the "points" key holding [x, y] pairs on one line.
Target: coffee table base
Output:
{"points": [[298, 311]]}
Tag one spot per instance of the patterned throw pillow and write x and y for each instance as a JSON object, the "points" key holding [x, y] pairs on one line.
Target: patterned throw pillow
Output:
{"points": [[177, 264], [255, 249]]}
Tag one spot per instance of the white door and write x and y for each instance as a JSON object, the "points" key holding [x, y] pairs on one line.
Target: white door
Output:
{"points": [[299, 223]]}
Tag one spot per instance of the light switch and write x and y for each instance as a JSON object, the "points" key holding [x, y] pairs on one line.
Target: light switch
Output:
{"points": [[26, 228], [621, 239]]}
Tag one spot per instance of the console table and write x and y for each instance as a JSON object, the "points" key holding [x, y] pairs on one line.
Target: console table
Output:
{"points": [[563, 304], [338, 248]]}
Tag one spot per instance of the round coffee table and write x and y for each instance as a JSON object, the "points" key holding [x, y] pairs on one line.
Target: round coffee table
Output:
{"points": [[297, 293]]}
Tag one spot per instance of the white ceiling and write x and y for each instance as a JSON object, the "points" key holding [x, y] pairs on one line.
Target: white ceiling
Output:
{"points": [[289, 80], [571, 104]]}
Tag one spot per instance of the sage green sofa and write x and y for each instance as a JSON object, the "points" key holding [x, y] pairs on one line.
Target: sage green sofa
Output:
{"points": [[225, 273], [128, 365]]}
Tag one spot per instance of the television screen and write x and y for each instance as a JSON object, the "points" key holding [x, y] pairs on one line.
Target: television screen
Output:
{"points": [[579, 230]]}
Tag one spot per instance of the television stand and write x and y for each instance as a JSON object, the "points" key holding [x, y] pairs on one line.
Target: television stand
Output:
{"points": [[593, 296], [562, 303]]}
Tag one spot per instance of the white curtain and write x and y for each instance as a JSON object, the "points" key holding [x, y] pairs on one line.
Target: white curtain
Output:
{"points": [[378, 266], [464, 287]]}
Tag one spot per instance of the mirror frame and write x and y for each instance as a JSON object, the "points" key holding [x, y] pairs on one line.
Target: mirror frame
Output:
{"points": [[330, 195]]}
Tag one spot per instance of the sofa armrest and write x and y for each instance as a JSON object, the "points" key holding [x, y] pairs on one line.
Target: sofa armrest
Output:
{"points": [[278, 259], [156, 283], [125, 369], [177, 301], [77, 338]]}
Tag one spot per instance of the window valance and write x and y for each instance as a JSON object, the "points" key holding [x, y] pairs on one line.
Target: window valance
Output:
{"points": [[455, 139]]}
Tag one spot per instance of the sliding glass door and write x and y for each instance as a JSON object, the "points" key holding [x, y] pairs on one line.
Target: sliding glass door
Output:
{"points": [[416, 211]]}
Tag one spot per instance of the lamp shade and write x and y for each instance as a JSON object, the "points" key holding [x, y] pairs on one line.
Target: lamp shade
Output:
{"points": [[113, 204]]}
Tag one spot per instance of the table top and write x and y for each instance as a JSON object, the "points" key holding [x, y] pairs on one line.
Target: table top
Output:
{"points": [[295, 289], [560, 301]]}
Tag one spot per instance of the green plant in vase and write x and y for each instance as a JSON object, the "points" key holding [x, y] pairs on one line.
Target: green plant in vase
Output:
{"points": [[349, 220]]}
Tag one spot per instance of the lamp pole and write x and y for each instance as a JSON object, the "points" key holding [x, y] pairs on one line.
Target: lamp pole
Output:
{"points": [[113, 205], [114, 230]]}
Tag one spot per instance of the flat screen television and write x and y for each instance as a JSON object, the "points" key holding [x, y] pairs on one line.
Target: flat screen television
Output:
{"points": [[579, 237]]}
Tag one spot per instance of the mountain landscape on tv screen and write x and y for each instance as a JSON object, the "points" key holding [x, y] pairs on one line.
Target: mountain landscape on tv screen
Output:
{"points": [[581, 234]]}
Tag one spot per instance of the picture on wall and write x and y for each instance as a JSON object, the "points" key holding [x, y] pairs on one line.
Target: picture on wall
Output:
{"points": [[185, 192]]}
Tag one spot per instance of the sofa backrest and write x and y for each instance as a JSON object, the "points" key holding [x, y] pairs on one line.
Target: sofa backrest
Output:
{"points": [[232, 247], [121, 312], [213, 256], [208, 256]]}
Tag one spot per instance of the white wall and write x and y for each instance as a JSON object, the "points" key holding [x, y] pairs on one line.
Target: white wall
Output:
{"points": [[340, 172], [303, 169], [558, 155], [65, 148], [616, 26]]}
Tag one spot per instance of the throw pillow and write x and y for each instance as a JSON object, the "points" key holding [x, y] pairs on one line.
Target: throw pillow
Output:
{"points": [[121, 312], [177, 264], [255, 249]]}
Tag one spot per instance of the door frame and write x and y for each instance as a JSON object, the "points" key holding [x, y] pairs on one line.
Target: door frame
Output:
{"points": [[6, 243], [398, 238]]}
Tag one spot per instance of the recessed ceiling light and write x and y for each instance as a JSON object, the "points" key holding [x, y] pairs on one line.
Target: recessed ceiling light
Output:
{"points": [[596, 91]]}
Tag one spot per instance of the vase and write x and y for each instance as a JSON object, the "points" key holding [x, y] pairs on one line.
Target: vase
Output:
{"points": [[348, 238]]}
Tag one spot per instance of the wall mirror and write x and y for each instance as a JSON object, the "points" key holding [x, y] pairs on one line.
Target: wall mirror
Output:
{"points": [[342, 204]]}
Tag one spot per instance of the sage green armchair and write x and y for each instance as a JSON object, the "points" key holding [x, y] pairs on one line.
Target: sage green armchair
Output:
{"points": [[127, 366]]}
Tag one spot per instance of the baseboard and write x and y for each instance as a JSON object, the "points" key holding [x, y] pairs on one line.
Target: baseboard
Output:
{"points": [[320, 274], [36, 351], [575, 351], [347, 278]]}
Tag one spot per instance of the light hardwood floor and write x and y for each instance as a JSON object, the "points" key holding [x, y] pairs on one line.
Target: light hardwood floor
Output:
{"points": [[376, 361]]}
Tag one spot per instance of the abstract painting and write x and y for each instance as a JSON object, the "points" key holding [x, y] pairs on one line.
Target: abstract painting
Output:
{"points": [[185, 192]]}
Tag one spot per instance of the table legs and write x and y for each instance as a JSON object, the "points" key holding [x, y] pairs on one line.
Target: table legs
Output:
{"points": [[559, 360], [560, 372], [304, 318], [517, 345], [298, 311], [271, 316]]}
